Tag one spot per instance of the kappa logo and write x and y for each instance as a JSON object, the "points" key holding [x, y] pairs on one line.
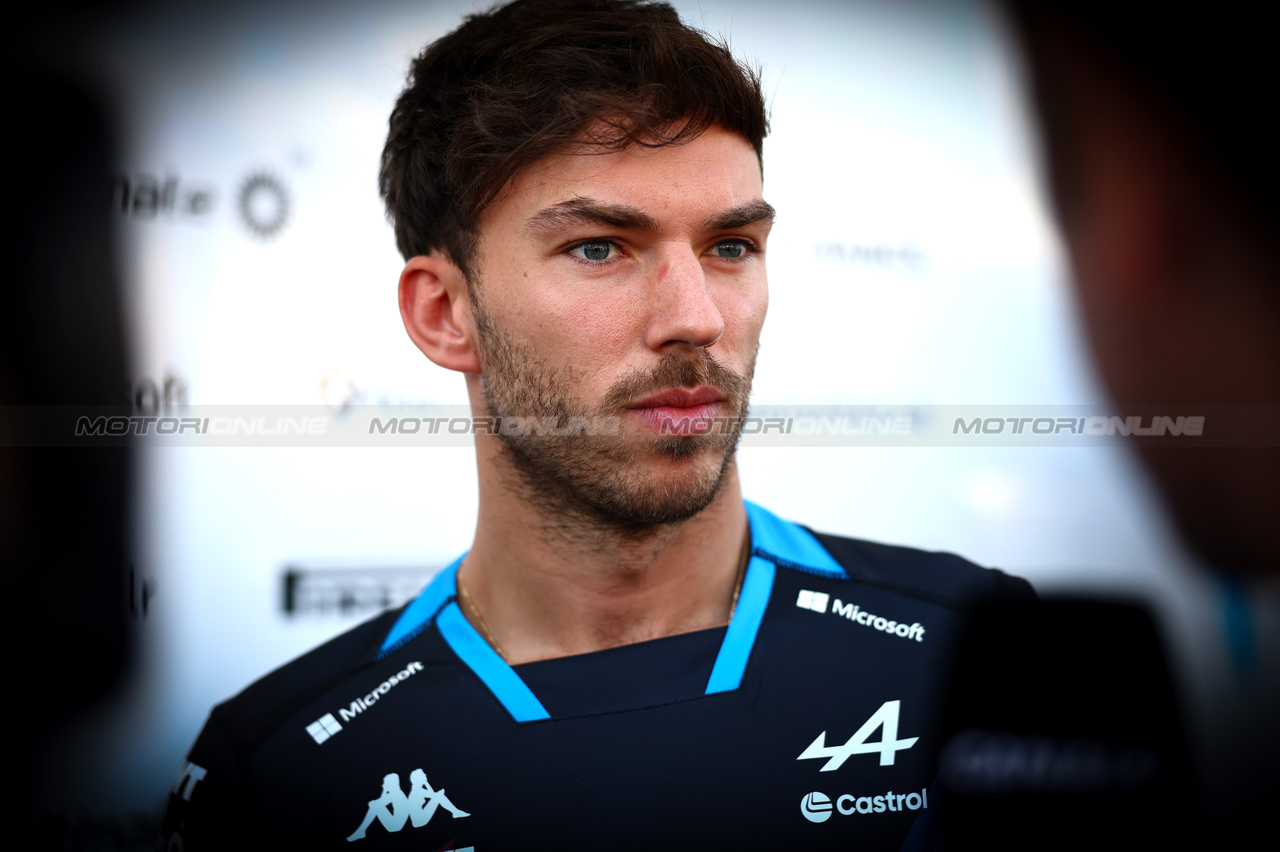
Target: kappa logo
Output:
{"points": [[888, 747], [394, 808]]}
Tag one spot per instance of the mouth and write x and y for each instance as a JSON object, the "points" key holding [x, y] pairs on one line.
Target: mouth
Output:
{"points": [[679, 412]]}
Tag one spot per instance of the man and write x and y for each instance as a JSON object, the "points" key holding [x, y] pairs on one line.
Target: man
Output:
{"points": [[1164, 181], [1165, 185], [629, 656]]}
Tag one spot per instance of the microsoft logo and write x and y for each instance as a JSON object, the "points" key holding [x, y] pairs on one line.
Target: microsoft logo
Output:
{"points": [[816, 601], [323, 728]]}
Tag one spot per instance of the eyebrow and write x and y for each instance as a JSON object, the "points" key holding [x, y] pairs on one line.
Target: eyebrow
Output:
{"points": [[578, 211], [740, 216]]}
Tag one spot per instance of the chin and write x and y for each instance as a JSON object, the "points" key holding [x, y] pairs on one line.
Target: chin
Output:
{"points": [[660, 497]]}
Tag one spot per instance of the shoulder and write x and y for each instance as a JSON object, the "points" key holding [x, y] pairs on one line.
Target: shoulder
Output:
{"points": [[212, 804], [938, 577], [252, 715]]}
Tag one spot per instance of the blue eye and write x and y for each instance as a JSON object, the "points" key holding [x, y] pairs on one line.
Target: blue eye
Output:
{"points": [[731, 249], [597, 251]]}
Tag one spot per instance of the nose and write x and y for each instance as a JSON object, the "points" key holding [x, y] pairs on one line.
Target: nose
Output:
{"points": [[683, 311]]}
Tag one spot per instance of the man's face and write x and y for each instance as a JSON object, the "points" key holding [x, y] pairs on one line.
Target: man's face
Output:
{"points": [[626, 285]]}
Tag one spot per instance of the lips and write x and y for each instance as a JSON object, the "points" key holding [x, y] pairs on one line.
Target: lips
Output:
{"points": [[680, 398], [680, 412]]}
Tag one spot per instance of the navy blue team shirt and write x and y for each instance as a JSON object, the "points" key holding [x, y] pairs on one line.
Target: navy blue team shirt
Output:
{"points": [[809, 722]]}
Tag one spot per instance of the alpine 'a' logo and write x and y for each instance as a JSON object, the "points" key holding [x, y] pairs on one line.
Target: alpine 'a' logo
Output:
{"points": [[888, 746], [393, 808]]}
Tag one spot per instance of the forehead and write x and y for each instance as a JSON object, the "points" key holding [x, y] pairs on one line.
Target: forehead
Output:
{"points": [[674, 184]]}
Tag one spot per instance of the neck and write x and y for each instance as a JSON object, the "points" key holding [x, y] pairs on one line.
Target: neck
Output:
{"points": [[544, 584]]}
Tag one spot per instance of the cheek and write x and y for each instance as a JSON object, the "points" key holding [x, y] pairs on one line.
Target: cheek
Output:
{"points": [[588, 329], [744, 310], [761, 306]]}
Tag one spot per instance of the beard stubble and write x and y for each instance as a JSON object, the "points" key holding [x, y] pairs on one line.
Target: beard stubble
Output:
{"points": [[601, 478]]}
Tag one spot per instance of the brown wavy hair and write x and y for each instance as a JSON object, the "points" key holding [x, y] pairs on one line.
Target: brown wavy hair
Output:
{"points": [[520, 82]]}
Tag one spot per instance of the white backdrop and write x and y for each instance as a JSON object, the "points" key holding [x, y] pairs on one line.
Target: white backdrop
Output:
{"points": [[912, 264]]}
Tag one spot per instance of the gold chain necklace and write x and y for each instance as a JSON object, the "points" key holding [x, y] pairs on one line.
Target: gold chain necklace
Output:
{"points": [[744, 556], [469, 602]]}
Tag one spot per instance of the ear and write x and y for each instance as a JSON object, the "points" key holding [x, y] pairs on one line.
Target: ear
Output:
{"points": [[436, 309]]}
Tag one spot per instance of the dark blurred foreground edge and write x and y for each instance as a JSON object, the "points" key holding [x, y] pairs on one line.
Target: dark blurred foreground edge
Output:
{"points": [[64, 510], [1063, 731]]}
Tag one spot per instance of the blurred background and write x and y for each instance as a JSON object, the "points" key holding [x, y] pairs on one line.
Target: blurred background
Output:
{"points": [[913, 264]]}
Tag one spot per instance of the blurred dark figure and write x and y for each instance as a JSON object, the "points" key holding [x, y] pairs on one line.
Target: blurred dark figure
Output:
{"points": [[1160, 144], [1063, 728], [63, 508], [1063, 732]]}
